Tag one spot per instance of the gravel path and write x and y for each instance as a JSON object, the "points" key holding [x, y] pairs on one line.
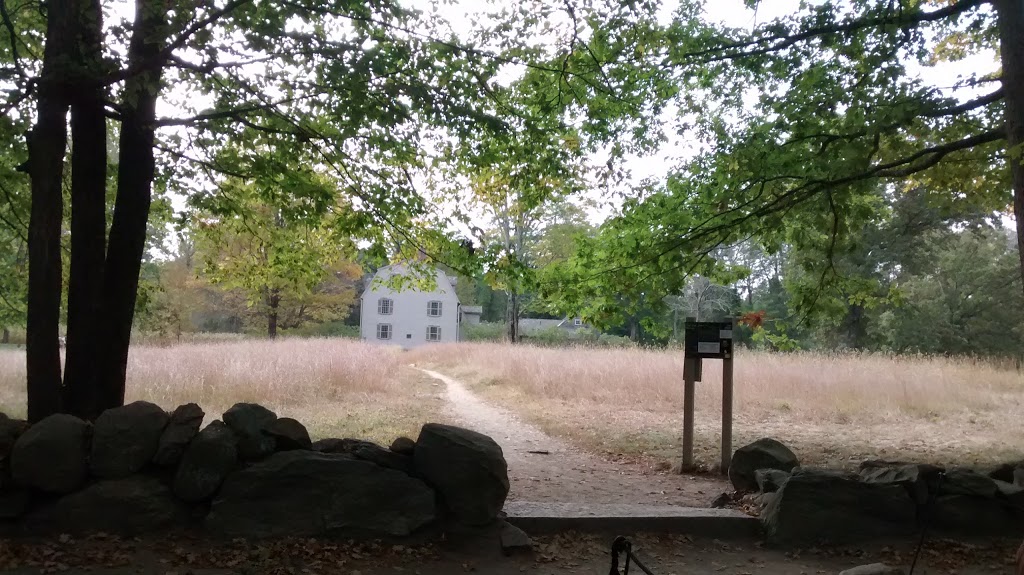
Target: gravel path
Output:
{"points": [[544, 468]]}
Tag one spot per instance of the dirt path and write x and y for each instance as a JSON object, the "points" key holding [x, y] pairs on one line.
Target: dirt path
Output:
{"points": [[543, 468]]}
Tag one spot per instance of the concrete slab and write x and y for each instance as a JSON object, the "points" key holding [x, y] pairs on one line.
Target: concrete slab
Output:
{"points": [[622, 518]]}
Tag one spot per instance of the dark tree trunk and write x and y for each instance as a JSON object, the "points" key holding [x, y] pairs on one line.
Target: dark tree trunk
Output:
{"points": [[88, 221], [273, 307], [512, 317], [6, 337], [46, 145], [1011, 41], [127, 240]]}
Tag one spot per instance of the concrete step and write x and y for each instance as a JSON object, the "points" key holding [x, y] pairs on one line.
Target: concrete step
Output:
{"points": [[624, 518]]}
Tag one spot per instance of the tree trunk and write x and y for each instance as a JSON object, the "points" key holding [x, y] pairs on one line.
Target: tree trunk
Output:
{"points": [[1011, 41], [135, 173], [88, 220], [46, 146], [273, 306], [512, 317], [6, 337]]}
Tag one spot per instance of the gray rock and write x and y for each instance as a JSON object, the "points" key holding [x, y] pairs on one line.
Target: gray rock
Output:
{"points": [[288, 434], [14, 503], [764, 453], [1018, 477], [248, 420], [1012, 496], [385, 458], [129, 505], [367, 451], [960, 481], [1005, 471], [335, 445], [467, 469], [914, 478], [10, 431], [404, 446], [873, 569], [306, 493], [721, 500], [126, 438], [514, 540], [969, 514], [207, 461], [52, 455], [181, 429], [815, 506], [770, 480]]}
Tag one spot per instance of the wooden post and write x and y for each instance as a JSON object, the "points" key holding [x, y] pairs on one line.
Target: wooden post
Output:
{"points": [[726, 414], [690, 367]]}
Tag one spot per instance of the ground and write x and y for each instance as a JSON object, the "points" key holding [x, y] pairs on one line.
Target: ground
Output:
{"points": [[565, 554]]}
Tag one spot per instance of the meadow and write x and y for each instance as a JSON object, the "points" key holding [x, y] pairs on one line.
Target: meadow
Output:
{"points": [[833, 410], [336, 387], [621, 403]]}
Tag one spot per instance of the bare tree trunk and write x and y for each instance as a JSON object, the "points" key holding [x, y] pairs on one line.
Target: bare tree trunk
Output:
{"points": [[46, 145], [512, 316], [6, 338], [134, 193], [88, 220], [273, 307], [1011, 40]]}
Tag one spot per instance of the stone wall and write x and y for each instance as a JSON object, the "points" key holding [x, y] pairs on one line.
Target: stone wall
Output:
{"points": [[802, 505], [140, 469]]}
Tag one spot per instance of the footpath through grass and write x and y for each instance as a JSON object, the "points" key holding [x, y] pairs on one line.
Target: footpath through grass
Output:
{"points": [[833, 410]]}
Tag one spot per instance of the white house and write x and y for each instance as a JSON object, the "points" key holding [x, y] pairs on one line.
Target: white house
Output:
{"points": [[409, 317]]}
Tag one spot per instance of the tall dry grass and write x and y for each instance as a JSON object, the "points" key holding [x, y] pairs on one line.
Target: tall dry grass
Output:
{"points": [[631, 399], [332, 385]]}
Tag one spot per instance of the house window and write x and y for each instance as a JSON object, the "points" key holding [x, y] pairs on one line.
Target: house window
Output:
{"points": [[433, 333], [434, 309], [383, 331], [577, 322], [385, 306]]}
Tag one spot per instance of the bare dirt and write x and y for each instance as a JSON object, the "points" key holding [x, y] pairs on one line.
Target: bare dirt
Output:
{"points": [[544, 468], [563, 554]]}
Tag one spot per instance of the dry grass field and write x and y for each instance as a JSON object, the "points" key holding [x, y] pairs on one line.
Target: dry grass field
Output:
{"points": [[336, 387], [833, 410], [623, 403]]}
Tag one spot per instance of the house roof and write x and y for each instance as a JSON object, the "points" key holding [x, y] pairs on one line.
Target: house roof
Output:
{"points": [[473, 309]]}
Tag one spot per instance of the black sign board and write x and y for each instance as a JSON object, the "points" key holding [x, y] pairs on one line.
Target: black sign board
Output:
{"points": [[708, 339]]}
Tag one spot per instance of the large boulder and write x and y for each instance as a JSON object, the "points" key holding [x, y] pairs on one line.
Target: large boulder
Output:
{"points": [[129, 505], [207, 461], [11, 430], [973, 515], [404, 446], [915, 478], [764, 453], [306, 493], [770, 480], [288, 434], [52, 455], [468, 470], [248, 420], [367, 451], [181, 429], [961, 481], [823, 506], [126, 438]]}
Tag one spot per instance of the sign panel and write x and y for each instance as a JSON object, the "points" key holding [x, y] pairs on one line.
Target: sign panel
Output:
{"points": [[708, 339]]}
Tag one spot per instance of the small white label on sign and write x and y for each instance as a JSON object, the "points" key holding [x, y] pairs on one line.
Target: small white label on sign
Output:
{"points": [[725, 334], [708, 347]]}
